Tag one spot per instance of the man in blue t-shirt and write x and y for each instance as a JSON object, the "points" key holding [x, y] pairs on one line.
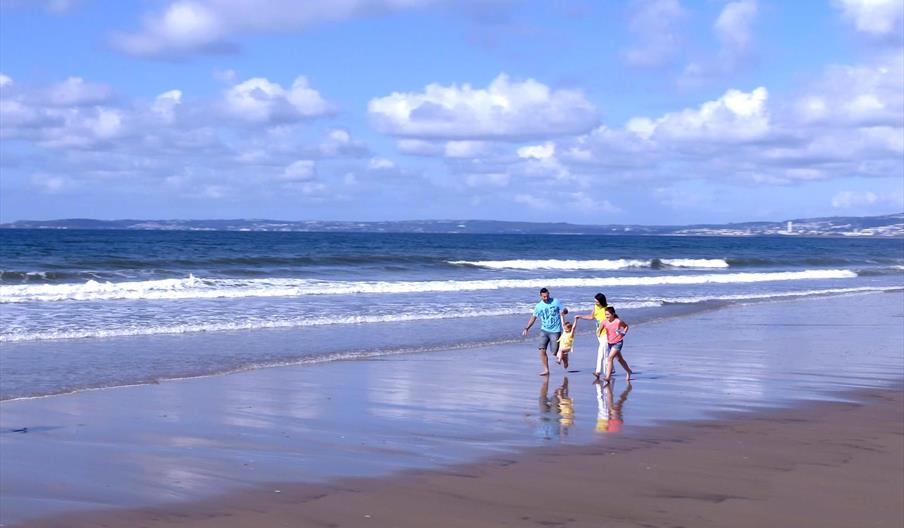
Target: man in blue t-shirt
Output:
{"points": [[550, 312]]}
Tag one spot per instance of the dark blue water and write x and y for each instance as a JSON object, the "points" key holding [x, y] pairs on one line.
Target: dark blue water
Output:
{"points": [[72, 301], [66, 256]]}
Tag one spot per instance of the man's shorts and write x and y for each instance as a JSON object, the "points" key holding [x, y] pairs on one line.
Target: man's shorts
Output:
{"points": [[551, 340]]}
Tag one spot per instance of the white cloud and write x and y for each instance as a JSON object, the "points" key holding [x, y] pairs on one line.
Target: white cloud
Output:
{"points": [[419, 147], [505, 110], [733, 27], [310, 188], [185, 27], [878, 18], [862, 95], [495, 179], [165, 104], [226, 76], [190, 146], [52, 184], [465, 149], [215, 192], [654, 25], [540, 152], [339, 143], [258, 100], [847, 122], [299, 171], [56, 7], [855, 199], [74, 91], [534, 202], [381, 164], [5, 81], [735, 116]]}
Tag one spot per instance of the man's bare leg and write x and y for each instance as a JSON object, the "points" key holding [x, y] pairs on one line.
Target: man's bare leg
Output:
{"points": [[544, 360]]}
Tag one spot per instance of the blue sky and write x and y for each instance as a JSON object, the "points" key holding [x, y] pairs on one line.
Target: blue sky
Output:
{"points": [[642, 111]]}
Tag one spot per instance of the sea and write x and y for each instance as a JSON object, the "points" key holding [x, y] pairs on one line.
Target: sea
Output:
{"points": [[92, 309]]}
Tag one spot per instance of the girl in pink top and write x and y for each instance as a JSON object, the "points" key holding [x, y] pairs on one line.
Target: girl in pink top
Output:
{"points": [[615, 334]]}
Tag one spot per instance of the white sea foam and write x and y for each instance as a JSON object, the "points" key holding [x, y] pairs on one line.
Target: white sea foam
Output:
{"points": [[772, 295], [552, 264], [197, 288], [260, 324], [617, 264], [695, 263]]}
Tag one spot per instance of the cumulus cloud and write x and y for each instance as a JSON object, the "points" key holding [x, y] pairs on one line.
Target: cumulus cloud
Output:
{"points": [[654, 24], [52, 184], [861, 95], [80, 134], [505, 110], [539, 152], [56, 7], [492, 179], [866, 200], [380, 164], [165, 104], [877, 18], [186, 27], [466, 149], [299, 171], [733, 27], [258, 101], [74, 91], [419, 147], [534, 201], [339, 143], [847, 122], [735, 116]]}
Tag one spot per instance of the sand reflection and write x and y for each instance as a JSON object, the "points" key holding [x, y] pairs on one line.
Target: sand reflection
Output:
{"points": [[610, 412], [556, 412]]}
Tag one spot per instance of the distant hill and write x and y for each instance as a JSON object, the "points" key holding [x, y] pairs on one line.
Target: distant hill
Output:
{"points": [[866, 226]]}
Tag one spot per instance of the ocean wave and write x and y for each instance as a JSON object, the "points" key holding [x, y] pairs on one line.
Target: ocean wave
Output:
{"points": [[554, 264], [771, 295], [694, 263], [262, 324], [600, 264], [199, 288]]}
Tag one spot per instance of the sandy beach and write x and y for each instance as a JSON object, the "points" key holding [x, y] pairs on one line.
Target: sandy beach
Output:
{"points": [[783, 413]]}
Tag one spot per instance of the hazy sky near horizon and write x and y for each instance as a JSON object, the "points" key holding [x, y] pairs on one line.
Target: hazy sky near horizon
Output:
{"points": [[642, 111]]}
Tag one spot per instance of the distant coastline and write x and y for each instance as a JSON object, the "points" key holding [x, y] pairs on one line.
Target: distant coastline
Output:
{"points": [[884, 226]]}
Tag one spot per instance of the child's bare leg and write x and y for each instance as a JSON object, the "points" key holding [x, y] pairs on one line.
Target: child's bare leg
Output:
{"points": [[565, 357], [624, 364], [609, 361]]}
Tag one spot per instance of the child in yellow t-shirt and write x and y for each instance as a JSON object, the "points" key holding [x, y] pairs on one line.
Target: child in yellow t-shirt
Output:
{"points": [[566, 341]]}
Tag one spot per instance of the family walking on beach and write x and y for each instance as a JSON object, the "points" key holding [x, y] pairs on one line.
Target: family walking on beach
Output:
{"points": [[557, 334]]}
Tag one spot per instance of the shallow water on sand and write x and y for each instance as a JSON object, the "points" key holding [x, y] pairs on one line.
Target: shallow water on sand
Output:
{"points": [[192, 438]]}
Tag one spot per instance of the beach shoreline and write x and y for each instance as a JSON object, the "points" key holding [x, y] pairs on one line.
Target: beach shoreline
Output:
{"points": [[375, 435], [830, 464]]}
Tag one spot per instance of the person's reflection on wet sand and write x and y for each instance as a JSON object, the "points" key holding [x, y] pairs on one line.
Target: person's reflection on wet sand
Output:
{"points": [[556, 413], [566, 407], [545, 423], [609, 417]]}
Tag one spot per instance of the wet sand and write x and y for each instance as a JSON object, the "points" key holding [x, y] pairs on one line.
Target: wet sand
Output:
{"points": [[474, 437], [824, 464]]}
